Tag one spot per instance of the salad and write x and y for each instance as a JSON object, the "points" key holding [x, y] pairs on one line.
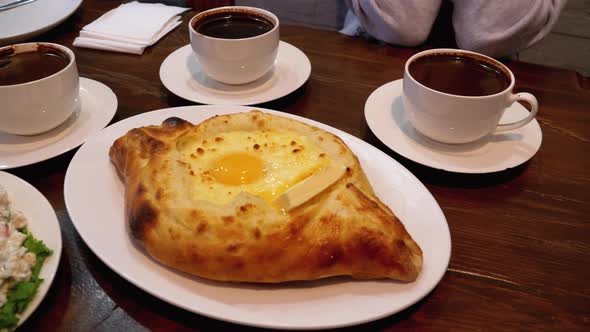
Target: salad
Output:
{"points": [[21, 259]]}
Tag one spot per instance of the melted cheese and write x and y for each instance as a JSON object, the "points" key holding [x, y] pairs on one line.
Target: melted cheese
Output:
{"points": [[263, 163]]}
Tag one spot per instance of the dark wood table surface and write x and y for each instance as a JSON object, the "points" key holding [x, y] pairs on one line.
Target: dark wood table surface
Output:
{"points": [[520, 238]]}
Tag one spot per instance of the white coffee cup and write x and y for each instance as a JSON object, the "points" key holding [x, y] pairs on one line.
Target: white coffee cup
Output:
{"points": [[235, 61], [454, 119], [40, 105]]}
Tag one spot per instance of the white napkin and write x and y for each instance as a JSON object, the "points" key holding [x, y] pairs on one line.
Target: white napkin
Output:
{"points": [[130, 28]]}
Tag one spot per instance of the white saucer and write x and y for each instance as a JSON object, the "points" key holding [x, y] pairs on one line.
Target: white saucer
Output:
{"points": [[98, 105], [385, 116], [34, 18], [43, 223], [181, 73]]}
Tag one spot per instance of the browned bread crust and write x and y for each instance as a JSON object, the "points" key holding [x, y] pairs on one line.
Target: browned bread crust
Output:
{"points": [[344, 230]]}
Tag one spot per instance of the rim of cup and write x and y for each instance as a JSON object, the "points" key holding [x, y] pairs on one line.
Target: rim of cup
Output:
{"points": [[256, 11], [33, 47], [470, 54]]}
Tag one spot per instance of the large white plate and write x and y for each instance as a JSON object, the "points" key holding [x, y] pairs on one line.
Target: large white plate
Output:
{"points": [[32, 19], [42, 222], [95, 202], [182, 74], [98, 105]]}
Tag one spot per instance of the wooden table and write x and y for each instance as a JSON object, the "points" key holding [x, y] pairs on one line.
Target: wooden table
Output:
{"points": [[521, 238]]}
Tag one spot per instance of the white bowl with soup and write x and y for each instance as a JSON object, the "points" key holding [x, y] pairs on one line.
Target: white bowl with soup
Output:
{"points": [[39, 87]]}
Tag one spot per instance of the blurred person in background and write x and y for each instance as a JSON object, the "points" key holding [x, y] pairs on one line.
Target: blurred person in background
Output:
{"points": [[496, 28]]}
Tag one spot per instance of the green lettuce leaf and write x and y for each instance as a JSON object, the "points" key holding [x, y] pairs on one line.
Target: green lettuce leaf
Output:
{"points": [[38, 248], [23, 292]]}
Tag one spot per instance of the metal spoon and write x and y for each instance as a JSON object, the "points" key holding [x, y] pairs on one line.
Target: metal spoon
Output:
{"points": [[15, 4]]}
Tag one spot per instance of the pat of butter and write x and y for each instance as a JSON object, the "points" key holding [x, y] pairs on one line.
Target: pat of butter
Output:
{"points": [[310, 187]]}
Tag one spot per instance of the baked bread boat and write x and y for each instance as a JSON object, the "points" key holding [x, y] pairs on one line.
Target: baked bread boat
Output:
{"points": [[257, 197]]}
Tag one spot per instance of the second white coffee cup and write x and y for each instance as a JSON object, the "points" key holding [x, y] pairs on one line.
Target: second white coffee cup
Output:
{"points": [[452, 118], [235, 61]]}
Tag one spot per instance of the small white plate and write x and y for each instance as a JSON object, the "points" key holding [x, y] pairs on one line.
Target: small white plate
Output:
{"points": [[181, 73], [384, 113], [34, 18], [98, 105], [43, 224], [335, 302]]}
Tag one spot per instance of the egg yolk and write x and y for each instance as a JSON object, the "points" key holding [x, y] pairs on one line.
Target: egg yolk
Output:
{"points": [[237, 168]]}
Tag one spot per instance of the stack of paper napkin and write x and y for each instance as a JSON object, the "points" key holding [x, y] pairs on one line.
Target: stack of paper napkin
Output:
{"points": [[130, 28]]}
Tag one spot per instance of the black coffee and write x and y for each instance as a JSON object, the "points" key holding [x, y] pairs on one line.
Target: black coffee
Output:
{"points": [[17, 68], [233, 25], [459, 75]]}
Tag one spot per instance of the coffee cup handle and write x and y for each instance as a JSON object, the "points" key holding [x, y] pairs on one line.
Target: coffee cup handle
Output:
{"points": [[526, 97]]}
